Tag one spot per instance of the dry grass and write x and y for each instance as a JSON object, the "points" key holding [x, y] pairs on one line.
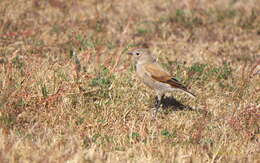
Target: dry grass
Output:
{"points": [[69, 93]]}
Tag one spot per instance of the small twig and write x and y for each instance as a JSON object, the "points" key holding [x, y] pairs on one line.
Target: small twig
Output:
{"points": [[77, 62], [253, 68]]}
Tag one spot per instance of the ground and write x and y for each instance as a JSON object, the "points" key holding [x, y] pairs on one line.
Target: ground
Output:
{"points": [[69, 92]]}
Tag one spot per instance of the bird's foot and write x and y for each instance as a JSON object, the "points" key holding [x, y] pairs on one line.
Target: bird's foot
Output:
{"points": [[156, 109]]}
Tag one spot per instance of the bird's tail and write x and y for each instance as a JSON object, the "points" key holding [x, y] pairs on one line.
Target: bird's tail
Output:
{"points": [[176, 84], [189, 93]]}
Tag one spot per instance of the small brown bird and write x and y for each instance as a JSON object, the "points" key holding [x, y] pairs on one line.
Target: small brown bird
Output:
{"points": [[152, 75]]}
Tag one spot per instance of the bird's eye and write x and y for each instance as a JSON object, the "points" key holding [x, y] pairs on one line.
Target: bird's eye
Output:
{"points": [[137, 53]]}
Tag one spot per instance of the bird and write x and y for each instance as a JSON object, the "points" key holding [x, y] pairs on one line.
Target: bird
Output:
{"points": [[154, 76]]}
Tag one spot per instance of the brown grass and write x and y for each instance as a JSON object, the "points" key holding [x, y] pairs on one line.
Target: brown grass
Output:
{"points": [[69, 93]]}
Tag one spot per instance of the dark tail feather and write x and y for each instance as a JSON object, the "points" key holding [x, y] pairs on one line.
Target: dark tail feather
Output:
{"points": [[189, 93]]}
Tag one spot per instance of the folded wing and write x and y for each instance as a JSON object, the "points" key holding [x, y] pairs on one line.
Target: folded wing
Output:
{"points": [[158, 74]]}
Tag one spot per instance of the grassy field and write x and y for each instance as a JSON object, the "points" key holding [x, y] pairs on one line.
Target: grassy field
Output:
{"points": [[69, 93]]}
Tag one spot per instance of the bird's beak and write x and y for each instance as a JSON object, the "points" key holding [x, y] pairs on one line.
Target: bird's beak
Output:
{"points": [[130, 53]]}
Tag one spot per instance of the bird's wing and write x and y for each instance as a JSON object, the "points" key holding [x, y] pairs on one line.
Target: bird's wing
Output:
{"points": [[158, 74]]}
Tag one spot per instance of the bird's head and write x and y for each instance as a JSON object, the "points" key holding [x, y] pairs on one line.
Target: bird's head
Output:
{"points": [[142, 55]]}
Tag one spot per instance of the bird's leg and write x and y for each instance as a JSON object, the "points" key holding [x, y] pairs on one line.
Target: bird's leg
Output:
{"points": [[158, 101], [162, 97]]}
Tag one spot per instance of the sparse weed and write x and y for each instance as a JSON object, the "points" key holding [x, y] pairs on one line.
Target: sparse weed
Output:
{"points": [[204, 72], [7, 120], [104, 78], [142, 31], [44, 91], [167, 134]]}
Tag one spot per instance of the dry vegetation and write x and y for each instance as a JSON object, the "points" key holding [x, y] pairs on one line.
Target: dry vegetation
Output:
{"points": [[69, 92]]}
